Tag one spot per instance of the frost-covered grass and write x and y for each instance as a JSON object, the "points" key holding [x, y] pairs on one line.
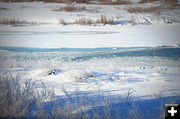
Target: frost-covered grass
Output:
{"points": [[23, 99], [17, 97]]}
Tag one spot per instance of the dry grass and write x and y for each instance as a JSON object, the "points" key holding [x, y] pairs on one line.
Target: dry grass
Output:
{"points": [[162, 1], [10, 21], [118, 2], [65, 1], [81, 1], [17, 22], [168, 1], [54, 1], [62, 21], [169, 6], [147, 1], [70, 8], [101, 2], [16, 0], [94, 10], [141, 10], [84, 21], [2, 8], [105, 20], [132, 20]]}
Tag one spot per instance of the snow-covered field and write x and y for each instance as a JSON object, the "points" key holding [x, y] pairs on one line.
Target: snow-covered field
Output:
{"points": [[143, 57]]}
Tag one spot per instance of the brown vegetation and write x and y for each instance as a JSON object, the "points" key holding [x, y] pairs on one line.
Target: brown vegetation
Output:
{"points": [[16, 22], [84, 21], [153, 9], [11, 21], [147, 1], [70, 8], [132, 20], [118, 2], [104, 20], [162, 1], [141, 10], [2, 8], [62, 21]]}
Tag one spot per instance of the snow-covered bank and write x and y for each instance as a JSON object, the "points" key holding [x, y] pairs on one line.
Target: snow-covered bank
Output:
{"points": [[140, 29]]}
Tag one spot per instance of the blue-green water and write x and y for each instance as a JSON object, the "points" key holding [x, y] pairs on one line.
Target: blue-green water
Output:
{"points": [[81, 54]]}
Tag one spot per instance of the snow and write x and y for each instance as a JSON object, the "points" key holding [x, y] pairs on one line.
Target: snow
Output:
{"points": [[131, 36]]}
